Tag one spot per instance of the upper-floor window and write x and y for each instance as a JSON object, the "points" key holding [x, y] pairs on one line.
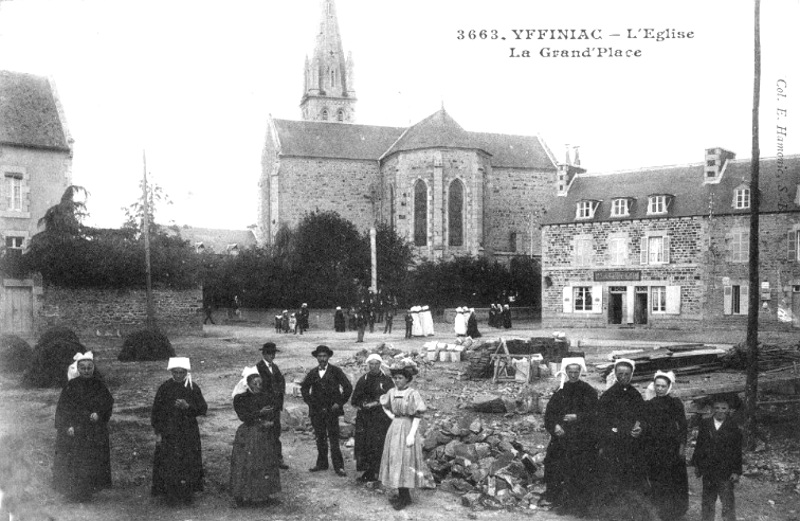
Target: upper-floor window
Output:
{"points": [[657, 204], [793, 242], [618, 251], [620, 207], [340, 115], [324, 114], [740, 245], [583, 251], [13, 192], [741, 198], [655, 250], [586, 209]]}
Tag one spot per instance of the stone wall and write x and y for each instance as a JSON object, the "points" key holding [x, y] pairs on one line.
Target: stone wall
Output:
{"points": [[113, 312]]}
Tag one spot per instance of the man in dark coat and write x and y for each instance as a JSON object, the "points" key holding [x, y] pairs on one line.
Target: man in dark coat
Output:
{"points": [[619, 429], [571, 454], [302, 318], [339, 320], [718, 458], [371, 422], [361, 324], [178, 463], [274, 384], [326, 389]]}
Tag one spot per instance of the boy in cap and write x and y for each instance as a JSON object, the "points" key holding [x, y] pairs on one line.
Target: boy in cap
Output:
{"points": [[326, 389], [273, 383], [718, 458]]}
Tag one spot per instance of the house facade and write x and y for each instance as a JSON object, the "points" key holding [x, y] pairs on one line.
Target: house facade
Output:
{"points": [[669, 246], [35, 169], [449, 191]]}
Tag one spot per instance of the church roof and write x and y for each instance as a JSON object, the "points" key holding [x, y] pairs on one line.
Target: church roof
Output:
{"points": [[684, 184], [513, 151], [334, 140], [29, 112], [439, 130]]}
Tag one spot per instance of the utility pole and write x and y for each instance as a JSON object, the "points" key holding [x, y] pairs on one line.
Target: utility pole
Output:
{"points": [[151, 318], [373, 248], [751, 383]]}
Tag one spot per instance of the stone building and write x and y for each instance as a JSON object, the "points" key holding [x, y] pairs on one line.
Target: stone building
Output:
{"points": [[35, 169], [447, 190], [668, 246]]}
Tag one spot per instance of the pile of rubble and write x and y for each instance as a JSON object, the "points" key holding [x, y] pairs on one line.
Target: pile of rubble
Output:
{"points": [[770, 356], [487, 466]]}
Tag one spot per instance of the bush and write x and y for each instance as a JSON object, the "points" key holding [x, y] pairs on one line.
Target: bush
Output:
{"points": [[15, 353], [52, 356], [146, 345]]}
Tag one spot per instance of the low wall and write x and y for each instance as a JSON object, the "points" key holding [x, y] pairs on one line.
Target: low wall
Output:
{"points": [[119, 312]]}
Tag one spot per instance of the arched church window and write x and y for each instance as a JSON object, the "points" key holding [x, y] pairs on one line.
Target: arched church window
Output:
{"points": [[420, 213], [340, 115], [455, 213], [324, 115], [391, 206]]}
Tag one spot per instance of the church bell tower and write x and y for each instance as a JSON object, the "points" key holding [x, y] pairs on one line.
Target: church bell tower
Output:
{"points": [[328, 93]]}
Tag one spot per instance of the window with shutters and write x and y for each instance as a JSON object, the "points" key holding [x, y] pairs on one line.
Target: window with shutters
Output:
{"points": [[655, 250], [583, 250], [658, 299], [582, 296], [735, 299], [740, 245]]}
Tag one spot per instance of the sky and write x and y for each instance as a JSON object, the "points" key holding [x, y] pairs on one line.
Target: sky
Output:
{"points": [[194, 83]]}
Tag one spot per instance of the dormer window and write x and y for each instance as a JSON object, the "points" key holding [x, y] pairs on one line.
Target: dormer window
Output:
{"points": [[586, 209], [741, 197], [620, 207], [658, 204]]}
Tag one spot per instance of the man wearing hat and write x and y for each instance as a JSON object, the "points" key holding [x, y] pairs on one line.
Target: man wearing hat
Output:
{"points": [[326, 389], [273, 383]]}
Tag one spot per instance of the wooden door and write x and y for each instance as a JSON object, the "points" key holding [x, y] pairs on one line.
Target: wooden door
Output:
{"points": [[18, 310]]}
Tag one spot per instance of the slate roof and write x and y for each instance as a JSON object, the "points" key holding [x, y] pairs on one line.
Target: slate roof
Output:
{"points": [[29, 113], [439, 130], [321, 139], [218, 240], [685, 183], [334, 140]]}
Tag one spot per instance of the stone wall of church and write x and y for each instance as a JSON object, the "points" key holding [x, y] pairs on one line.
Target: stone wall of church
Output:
{"points": [[516, 199], [438, 169], [304, 185]]}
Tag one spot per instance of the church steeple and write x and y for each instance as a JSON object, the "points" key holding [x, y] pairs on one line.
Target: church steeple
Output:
{"points": [[328, 93]]}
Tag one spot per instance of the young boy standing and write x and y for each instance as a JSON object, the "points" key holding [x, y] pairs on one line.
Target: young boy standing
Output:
{"points": [[718, 459]]}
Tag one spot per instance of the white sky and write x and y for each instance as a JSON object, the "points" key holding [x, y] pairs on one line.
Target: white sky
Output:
{"points": [[193, 82]]}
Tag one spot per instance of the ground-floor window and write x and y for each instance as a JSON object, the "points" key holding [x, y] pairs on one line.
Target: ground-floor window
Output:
{"points": [[583, 298], [658, 299], [735, 299]]}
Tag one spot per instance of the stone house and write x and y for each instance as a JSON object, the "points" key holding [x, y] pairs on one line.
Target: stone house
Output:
{"points": [[668, 246], [447, 190], [35, 169]]}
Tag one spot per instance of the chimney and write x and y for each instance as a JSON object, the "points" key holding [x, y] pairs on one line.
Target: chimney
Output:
{"points": [[567, 158], [716, 161], [576, 156]]}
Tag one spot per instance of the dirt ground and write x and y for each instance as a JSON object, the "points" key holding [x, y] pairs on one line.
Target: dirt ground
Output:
{"points": [[26, 427]]}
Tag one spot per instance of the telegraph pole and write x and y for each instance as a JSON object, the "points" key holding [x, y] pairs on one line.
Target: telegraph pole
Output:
{"points": [[151, 318]]}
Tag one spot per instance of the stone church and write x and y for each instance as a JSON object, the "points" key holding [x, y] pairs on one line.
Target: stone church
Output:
{"points": [[449, 191]]}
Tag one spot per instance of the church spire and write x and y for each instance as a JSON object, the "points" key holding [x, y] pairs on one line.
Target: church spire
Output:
{"points": [[328, 93]]}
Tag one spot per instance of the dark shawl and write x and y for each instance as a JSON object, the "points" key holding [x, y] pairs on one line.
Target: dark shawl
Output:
{"points": [[371, 423]]}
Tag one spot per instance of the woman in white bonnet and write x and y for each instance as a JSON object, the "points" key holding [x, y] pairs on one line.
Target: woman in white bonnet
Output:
{"points": [[82, 463], [178, 464], [255, 475]]}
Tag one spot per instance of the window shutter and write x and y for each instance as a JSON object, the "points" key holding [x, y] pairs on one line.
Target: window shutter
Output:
{"points": [[666, 250], [566, 299], [673, 300], [792, 241], [597, 299], [727, 291], [744, 299], [630, 304], [643, 251]]}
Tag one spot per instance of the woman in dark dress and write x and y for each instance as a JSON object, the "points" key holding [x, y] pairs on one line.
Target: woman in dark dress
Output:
{"points": [[178, 464], [371, 422], [665, 444], [472, 325], [338, 320], [255, 475], [82, 463]]}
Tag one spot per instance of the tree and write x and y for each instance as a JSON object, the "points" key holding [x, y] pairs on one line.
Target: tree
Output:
{"points": [[395, 258]]}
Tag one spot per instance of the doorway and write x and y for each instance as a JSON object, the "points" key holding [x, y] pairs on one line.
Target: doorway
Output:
{"points": [[640, 306], [615, 308]]}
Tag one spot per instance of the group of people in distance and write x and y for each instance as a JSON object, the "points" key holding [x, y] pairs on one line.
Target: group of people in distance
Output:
{"points": [[387, 445], [620, 451], [296, 323], [465, 323], [500, 316]]}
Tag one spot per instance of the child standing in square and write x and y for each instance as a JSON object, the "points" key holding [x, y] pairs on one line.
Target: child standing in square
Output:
{"points": [[718, 458]]}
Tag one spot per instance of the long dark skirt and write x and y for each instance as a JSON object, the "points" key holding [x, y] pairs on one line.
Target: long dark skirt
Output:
{"points": [[254, 464], [669, 484], [82, 463], [177, 468], [370, 434]]}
